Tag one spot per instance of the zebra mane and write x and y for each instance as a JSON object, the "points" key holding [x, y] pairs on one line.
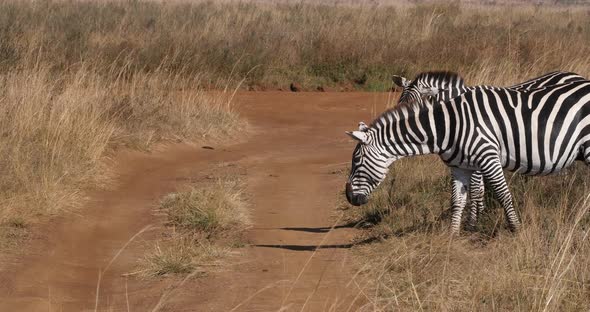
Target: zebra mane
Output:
{"points": [[395, 112], [437, 77]]}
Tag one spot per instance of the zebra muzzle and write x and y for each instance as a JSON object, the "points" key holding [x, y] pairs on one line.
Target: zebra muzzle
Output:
{"points": [[355, 199]]}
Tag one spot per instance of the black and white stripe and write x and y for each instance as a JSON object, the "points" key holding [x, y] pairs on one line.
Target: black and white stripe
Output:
{"points": [[534, 132], [450, 85]]}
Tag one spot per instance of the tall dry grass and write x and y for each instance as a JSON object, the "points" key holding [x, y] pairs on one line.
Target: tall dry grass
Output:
{"points": [[419, 266], [275, 43], [72, 91], [56, 129], [81, 78]]}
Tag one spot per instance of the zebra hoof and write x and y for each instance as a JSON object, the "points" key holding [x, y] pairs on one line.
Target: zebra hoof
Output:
{"points": [[514, 229], [471, 227]]}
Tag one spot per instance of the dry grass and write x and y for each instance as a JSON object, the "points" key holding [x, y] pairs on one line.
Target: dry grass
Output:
{"points": [[55, 130], [80, 79], [215, 209], [418, 266], [181, 255], [71, 96], [327, 44], [205, 223]]}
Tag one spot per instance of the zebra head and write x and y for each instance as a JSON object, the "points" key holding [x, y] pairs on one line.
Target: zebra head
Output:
{"points": [[432, 85], [369, 165], [414, 92]]}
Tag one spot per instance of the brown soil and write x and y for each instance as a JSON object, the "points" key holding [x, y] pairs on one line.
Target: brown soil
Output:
{"points": [[292, 162]]}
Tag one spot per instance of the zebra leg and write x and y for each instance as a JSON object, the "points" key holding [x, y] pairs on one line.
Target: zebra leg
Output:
{"points": [[476, 193], [459, 196], [492, 172]]}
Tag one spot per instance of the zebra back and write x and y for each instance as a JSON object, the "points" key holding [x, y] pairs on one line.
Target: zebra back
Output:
{"points": [[448, 85], [552, 78]]}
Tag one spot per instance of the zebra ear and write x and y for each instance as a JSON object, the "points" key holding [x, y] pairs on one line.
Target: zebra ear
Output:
{"points": [[363, 126], [359, 136], [400, 81], [429, 91]]}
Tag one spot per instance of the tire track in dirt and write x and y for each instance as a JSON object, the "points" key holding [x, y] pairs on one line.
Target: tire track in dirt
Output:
{"points": [[290, 159]]}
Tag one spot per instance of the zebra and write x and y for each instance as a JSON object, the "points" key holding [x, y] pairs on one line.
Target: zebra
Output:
{"points": [[535, 132], [451, 85]]}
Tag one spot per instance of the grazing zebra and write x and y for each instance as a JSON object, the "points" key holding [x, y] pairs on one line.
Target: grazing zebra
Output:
{"points": [[450, 85], [534, 132]]}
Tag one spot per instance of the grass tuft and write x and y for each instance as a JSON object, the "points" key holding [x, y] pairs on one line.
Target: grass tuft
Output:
{"points": [[214, 209], [181, 255], [206, 222]]}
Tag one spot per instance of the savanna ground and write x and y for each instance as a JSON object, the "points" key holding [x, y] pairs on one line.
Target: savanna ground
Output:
{"points": [[82, 83]]}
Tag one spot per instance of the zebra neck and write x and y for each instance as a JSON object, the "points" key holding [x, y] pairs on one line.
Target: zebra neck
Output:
{"points": [[409, 131]]}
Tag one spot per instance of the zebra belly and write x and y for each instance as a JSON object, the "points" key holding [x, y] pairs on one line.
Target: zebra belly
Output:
{"points": [[458, 162], [510, 162], [549, 167]]}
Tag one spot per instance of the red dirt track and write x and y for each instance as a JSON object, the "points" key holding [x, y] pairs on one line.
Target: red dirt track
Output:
{"points": [[291, 161]]}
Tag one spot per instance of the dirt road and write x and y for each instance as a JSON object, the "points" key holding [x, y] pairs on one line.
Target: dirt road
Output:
{"points": [[290, 160]]}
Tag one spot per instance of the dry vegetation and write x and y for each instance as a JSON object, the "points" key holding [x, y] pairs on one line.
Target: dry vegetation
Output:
{"points": [[273, 44], [79, 79], [203, 224], [55, 130], [419, 266], [62, 111]]}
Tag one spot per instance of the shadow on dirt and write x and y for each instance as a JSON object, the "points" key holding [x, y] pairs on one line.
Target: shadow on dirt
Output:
{"points": [[368, 222], [316, 247], [323, 229]]}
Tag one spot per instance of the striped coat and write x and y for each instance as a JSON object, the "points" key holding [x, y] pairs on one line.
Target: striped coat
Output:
{"points": [[449, 85], [535, 132]]}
